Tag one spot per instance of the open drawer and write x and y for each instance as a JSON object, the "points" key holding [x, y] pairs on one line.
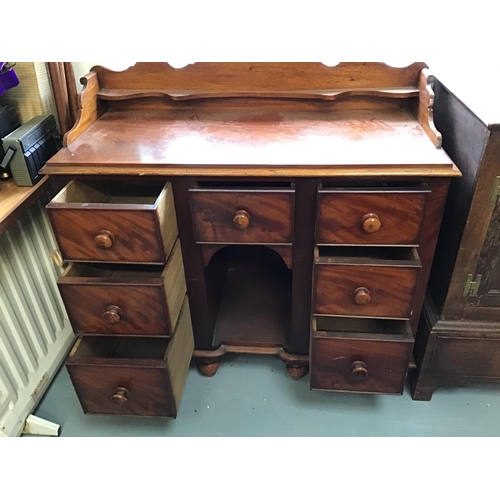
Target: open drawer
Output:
{"points": [[130, 376], [360, 355], [124, 299], [365, 281], [114, 222]]}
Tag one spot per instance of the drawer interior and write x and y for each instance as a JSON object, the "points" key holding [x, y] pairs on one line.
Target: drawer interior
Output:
{"points": [[125, 272], [149, 372], [243, 185], [108, 193], [119, 348], [331, 327], [394, 256], [371, 185]]}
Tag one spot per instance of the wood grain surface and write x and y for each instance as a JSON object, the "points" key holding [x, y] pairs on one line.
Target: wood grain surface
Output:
{"points": [[270, 216], [89, 108], [323, 95], [473, 357], [304, 123], [341, 212], [303, 258], [97, 369], [148, 389], [259, 76], [428, 240], [180, 352], [391, 290], [201, 140], [258, 171], [79, 213], [150, 297], [135, 236], [15, 200], [144, 308], [386, 362], [476, 229], [424, 111], [458, 353], [151, 370]]}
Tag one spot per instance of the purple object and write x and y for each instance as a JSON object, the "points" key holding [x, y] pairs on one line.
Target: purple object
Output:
{"points": [[8, 77]]}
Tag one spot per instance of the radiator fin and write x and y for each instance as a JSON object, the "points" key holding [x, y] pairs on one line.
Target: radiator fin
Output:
{"points": [[34, 328]]}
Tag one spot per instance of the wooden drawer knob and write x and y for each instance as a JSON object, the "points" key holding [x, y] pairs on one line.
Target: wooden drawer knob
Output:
{"points": [[120, 396], [104, 240], [359, 370], [241, 219], [112, 315], [362, 295], [371, 223]]}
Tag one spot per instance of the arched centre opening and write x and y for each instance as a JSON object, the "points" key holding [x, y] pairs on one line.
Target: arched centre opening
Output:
{"points": [[252, 289]]}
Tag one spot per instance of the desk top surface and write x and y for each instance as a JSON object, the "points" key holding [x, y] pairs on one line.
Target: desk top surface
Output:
{"points": [[248, 141]]}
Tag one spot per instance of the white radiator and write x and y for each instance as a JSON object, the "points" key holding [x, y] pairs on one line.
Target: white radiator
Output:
{"points": [[35, 333]]}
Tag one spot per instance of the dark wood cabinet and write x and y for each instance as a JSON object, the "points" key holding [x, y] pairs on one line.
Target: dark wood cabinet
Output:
{"points": [[308, 200], [459, 335]]}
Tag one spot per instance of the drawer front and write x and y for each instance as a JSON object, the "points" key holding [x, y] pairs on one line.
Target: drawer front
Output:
{"points": [[131, 236], [122, 390], [242, 217], [359, 365], [138, 228], [370, 218], [467, 357], [124, 376], [362, 290], [116, 309], [124, 300]]}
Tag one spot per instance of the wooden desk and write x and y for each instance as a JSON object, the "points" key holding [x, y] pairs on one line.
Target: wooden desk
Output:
{"points": [[308, 201]]}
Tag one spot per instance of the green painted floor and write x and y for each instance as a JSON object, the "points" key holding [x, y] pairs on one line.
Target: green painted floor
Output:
{"points": [[254, 396]]}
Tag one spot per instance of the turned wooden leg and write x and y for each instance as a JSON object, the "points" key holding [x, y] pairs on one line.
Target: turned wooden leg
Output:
{"points": [[296, 371], [209, 369]]}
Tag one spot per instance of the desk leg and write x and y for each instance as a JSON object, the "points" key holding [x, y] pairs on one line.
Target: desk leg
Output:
{"points": [[208, 361]]}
